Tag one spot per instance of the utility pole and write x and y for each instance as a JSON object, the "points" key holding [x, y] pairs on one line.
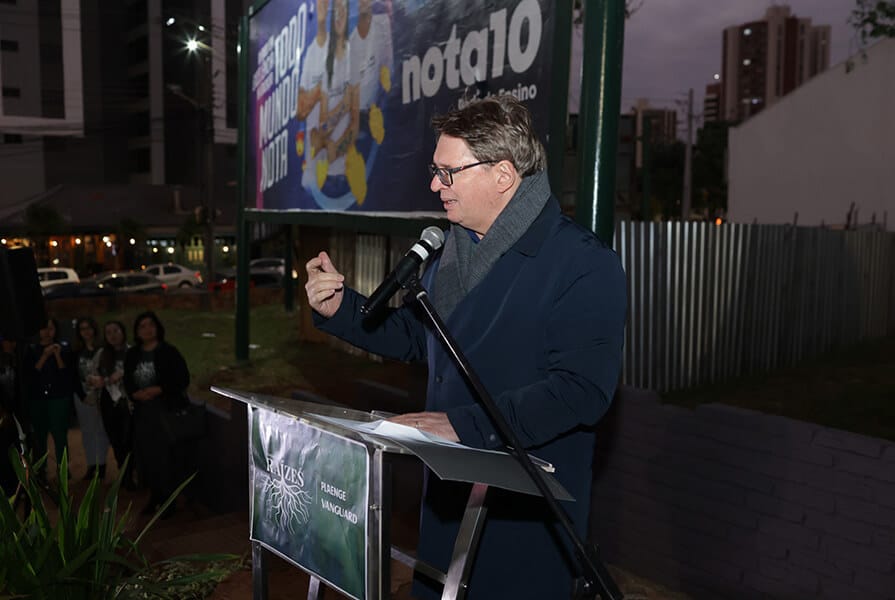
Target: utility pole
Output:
{"points": [[688, 161], [205, 110], [205, 115]]}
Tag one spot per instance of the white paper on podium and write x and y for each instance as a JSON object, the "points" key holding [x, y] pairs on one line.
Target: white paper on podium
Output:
{"points": [[453, 461]]}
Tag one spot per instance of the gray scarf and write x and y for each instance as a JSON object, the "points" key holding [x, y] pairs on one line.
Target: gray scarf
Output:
{"points": [[464, 263]]}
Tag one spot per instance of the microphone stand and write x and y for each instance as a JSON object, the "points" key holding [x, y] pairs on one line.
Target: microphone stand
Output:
{"points": [[597, 579]]}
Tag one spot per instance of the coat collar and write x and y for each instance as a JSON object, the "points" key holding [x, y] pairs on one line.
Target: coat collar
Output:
{"points": [[532, 240]]}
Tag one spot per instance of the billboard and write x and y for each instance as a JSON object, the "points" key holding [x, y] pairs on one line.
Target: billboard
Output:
{"points": [[342, 92]]}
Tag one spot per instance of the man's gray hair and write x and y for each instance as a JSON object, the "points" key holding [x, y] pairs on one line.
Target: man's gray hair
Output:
{"points": [[496, 128]]}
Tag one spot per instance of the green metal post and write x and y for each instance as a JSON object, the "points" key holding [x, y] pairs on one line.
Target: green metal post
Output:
{"points": [[646, 143], [604, 38], [559, 95], [288, 288], [242, 236]]}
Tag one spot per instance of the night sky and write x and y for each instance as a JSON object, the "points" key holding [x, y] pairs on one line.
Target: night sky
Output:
{"points": [[673, 45]]}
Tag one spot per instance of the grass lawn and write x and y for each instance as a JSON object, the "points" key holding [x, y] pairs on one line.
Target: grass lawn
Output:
{"points": [[279, 362], [852, 389]]}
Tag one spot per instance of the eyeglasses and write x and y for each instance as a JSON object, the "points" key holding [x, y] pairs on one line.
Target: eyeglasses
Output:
{"points": [[446, 176]]}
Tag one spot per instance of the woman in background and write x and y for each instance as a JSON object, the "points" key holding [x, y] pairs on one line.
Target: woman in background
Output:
{"points": [[93, 435], [155, 378], [52, 379], [115, 407]]}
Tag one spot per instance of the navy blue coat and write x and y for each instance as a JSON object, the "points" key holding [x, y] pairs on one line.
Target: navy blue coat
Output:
{"points": [[544, 332]]}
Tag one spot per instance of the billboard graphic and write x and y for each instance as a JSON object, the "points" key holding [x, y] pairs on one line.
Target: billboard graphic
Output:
{"points": [[310, 498], [342, 92]]}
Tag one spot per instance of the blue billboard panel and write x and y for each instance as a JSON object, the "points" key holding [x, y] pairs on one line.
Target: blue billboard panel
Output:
{"points": [[343, 91]]}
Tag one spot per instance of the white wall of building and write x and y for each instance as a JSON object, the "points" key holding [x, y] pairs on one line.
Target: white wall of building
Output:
{"points": [[827, 144], [22, 116]]}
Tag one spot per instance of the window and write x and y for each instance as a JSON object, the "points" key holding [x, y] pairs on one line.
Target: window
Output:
{"points": [[12, 92], [137, 51], [137, 14], [52, 102], [9, 45], [138, 124], [51, 53], [139, 160]]}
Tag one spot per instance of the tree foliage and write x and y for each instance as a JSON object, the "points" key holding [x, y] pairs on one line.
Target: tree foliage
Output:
{"points": [[42, 221], [191, 228], [667, 179], [874, 19], [709, 180]]}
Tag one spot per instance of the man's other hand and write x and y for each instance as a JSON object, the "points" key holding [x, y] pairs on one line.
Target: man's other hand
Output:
{"points": [[436, 423], [325, 286]]}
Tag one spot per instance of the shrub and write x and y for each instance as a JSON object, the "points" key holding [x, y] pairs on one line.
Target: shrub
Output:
{"points": [[74, 551]]}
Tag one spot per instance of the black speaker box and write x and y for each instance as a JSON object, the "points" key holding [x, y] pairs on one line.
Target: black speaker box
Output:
{"points": [[22, 311]]}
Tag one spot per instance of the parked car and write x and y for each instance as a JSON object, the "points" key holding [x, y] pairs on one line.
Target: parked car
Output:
{"points": [[50, 276], [124, 282], [175, 275], [271, 264], [71, 289], [225, 279]]}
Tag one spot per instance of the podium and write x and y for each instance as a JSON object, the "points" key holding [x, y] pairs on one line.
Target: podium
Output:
{"points": [[319, 494]]}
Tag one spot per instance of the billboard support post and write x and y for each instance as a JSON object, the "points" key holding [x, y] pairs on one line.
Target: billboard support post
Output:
{"points": [[559, 95], [241, 337], [604, 38]]}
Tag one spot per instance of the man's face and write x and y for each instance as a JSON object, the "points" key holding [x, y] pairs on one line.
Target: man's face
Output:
{"points": [[473, 200]]}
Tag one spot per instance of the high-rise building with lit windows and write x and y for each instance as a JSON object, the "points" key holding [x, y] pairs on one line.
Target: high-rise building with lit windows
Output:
{"points": [[764, 60], [100, 95]]}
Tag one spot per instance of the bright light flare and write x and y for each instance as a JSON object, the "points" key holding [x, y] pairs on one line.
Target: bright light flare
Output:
{"points": [[192, 45]]}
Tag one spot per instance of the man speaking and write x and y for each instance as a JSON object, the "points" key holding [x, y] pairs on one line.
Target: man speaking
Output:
{"points": [[537, 304]]}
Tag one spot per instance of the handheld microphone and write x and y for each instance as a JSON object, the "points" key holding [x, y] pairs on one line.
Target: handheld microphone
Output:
{"points": [[431, 239]]}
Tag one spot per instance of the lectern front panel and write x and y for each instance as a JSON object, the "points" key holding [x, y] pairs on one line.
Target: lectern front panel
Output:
{"points": [[310, 497]]}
